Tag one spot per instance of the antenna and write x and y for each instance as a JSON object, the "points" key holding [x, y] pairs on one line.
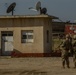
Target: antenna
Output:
{"points": [[11, 8]]}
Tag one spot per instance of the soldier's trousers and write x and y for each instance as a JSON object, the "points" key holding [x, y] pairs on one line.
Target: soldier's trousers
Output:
{"points": [[65, 58], [74, 59]]}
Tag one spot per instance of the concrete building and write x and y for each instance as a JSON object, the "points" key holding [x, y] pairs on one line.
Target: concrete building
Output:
{"points": [[26, 35], [58, 29]]}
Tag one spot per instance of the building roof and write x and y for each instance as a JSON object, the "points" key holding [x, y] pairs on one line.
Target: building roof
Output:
{"points": [[58, 26], [30, 16]]}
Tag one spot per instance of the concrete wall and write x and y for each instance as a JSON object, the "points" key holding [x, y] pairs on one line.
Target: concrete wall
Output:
{"points": [[48, 44], [38, 25]]}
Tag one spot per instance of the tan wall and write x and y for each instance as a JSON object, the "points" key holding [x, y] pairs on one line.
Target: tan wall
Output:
{"points": [[16, 25], [0, 43], [38, 25], [47, 26], [35, 47]]}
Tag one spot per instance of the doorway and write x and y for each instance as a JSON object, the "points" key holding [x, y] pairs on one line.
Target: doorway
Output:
{"points": [[7, 43]]}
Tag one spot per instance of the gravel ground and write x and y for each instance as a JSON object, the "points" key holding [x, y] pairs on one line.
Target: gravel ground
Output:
{"points": [[34, 66]]}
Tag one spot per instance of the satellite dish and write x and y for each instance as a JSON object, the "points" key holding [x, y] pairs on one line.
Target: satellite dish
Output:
{"points": [[38, 6], [11, 8], [43, 11]]}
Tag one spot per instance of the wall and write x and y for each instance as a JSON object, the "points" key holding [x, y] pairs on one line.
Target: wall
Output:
{"points": [[47, 26], [16, 25], [38, 24]]}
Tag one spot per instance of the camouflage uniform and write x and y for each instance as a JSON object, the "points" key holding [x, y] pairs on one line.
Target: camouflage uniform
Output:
{"points": [[66, 46], [74, 53]]}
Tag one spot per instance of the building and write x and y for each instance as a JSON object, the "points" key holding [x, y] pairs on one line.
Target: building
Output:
{"points": [[26, 35], [58, 28], [70, 28], [58, 32]]}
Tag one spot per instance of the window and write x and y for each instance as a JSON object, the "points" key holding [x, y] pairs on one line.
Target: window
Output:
{"points": [[27, 36], [47, 33]]}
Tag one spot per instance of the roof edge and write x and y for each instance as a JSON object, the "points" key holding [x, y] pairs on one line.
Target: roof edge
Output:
{"points": [[29, 16]]}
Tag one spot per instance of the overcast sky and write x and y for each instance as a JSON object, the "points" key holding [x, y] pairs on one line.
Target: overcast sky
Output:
{"points": [[64, 9]]}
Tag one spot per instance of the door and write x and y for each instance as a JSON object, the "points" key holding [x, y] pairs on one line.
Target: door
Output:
{"points": [[7, 43]]}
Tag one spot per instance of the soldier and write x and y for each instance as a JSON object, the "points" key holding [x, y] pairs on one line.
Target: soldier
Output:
{"points": [[74, 52], [66, 46]]}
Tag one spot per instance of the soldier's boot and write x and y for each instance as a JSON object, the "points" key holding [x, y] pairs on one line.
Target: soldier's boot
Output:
{"points": [[63, 64], [67, 64], [75, 65]]}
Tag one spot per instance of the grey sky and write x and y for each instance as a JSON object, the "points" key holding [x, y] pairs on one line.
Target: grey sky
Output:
{"points": [[64, 9]]}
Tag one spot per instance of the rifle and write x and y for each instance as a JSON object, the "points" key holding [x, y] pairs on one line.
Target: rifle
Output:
{"points": [[60, 44]]}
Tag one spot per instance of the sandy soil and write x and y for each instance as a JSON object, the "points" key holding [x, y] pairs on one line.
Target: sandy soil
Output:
{"points": [[34, 66]]}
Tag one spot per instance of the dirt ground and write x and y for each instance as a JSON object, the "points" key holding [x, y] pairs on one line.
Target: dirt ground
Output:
{"points": [[34, 66]]}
